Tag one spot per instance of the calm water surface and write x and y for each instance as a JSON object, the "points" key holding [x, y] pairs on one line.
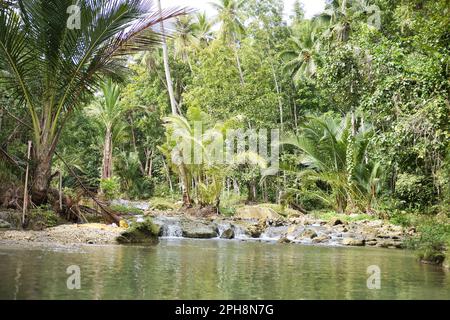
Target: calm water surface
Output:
{"points": [[215, 269]]}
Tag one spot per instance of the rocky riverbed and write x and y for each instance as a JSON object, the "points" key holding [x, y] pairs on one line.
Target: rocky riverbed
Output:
{"points": [[249, 224]]}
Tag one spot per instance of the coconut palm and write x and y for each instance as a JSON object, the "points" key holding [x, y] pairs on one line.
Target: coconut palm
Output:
{"points": [[107, 113], [341, 15], [198, 156], [231, 25], [52, 64], [184, 38], [303, 53], [203, 29]]}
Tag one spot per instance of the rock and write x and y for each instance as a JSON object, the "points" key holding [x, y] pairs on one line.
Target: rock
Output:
{"points": [[227, 234], [372, 242], [199, 230], [284, 240], [307, 233], [353, 242], [143, 232], [335, 222], [258, 213], [321, 239], [254, 231], [4, 224], [389, 244]]}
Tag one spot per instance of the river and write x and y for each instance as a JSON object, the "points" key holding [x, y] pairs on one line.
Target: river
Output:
{"points": [[217, 269]]}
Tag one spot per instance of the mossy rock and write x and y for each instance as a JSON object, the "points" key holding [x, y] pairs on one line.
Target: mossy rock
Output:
{"points": [[142, 232]]}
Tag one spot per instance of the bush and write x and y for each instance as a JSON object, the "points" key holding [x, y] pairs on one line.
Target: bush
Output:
{"points": [[402, 218], [414, 191], [432, 242], [110, 188], [41, 218]]}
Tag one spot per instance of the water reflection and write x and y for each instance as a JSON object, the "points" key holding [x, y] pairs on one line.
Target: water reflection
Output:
{"points": [[209, 269]]}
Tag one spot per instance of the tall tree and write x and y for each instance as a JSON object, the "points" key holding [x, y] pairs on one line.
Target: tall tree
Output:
{"points": [[231, 26], [52, 64], [203, 29], [184, 38], [302, 56], [108, 113], [173, 102]]}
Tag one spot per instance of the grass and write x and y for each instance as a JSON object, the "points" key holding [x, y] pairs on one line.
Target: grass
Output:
{"points": [[163, 204], [329, 215], [125, 210]]}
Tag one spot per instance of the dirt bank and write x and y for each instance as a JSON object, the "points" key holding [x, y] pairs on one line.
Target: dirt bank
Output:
{"points": [[68, 234]]}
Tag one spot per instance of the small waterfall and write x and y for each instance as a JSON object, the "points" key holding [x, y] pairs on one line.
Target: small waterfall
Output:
{"points": [[170, 227], [172, 231], [222, 226], [240, 232], [274, 233]]}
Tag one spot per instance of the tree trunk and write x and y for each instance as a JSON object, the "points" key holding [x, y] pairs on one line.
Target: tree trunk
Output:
{"points": [[185, 187], [173, 102], [42, 157], [238, 63], [107, 155]]}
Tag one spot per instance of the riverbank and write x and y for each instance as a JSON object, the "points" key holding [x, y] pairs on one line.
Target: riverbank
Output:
{"points": [[250, 223], [65, 235]]}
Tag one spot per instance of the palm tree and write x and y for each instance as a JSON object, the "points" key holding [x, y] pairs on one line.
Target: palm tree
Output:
{"points": [[341, 16], [52, 69], [184, 38], [303, 54], [209, 170], [231, 26], [202, 29], [325, 142], [169, 84], [108, 114]]}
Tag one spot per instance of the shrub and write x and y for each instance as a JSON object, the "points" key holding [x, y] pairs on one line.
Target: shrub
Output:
{"points": [[110, 188], [42, 217], [432, 242], [414, 191]]}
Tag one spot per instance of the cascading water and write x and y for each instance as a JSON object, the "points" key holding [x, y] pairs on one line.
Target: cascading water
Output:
{"points": [[170, 227], [274, 233]]}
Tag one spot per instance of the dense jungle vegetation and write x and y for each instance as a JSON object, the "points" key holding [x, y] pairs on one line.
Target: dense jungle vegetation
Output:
{"points": [[360, 94]]}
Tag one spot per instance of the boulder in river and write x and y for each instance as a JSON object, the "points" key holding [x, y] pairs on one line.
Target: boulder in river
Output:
{"points": [[198, 229], [321, 239], [353, 242], [140, 232], [257, 213], [284, 240], [307, 234], [335, 222], [227, 234]]}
